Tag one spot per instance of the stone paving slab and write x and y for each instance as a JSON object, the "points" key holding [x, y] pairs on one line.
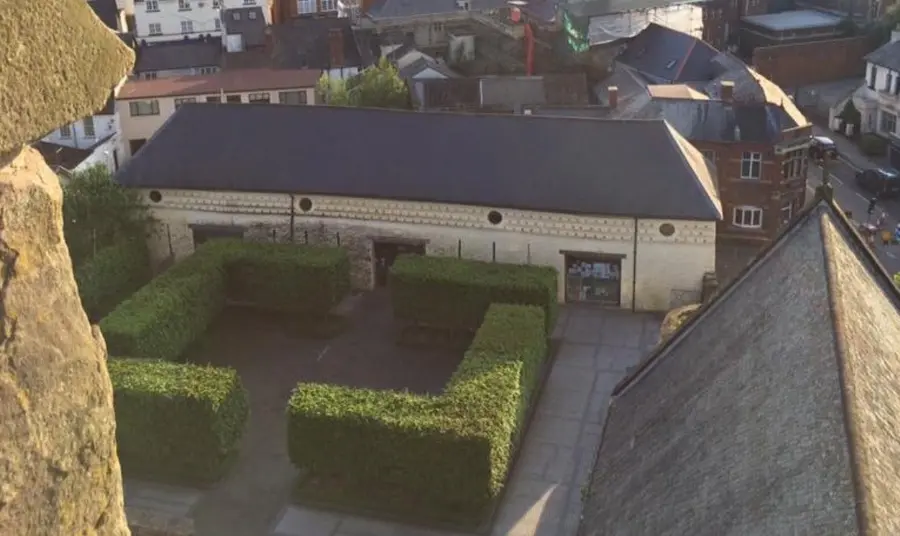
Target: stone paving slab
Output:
{"points": [[163, 500]]}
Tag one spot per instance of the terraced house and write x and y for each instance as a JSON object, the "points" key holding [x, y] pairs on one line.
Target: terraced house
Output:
{"points": [[560, 192]]}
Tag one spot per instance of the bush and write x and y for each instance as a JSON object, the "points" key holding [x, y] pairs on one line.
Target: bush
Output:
{"points": [[873, 145], [112, 275], [444, 457], [455, 293], [165, 317], [175, 421]]}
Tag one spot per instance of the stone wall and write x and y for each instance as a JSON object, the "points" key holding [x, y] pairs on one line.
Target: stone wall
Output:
{"points": [[669, 267]]}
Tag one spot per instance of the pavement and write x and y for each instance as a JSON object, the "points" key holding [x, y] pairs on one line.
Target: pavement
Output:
{"points": [[543, 497], [851, 197]]}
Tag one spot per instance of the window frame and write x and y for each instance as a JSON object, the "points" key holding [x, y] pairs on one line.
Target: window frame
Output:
{"points": [[283, 97], [881, 122], [189, 24], [65, 131], [794, 164], [749, 158], [89, 132], [152, 26], [180, 101], [787, 212], [744, 210], [134, 108], [306, 7], [255, 98], [151, 6], [329, 5], [184, 5]]}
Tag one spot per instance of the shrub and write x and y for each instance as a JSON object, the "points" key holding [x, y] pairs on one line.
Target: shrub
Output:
{"points": [[872, 145], [166, 316], [112, 275], [442, 456], [175, 421], [455, 293]]}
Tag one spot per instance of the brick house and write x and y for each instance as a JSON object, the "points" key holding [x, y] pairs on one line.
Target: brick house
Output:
{"points": [[560, 192]]}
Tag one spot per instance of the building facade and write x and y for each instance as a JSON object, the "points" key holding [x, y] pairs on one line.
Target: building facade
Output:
{"points": [[171, 20], [878, 99], [644, 264]]}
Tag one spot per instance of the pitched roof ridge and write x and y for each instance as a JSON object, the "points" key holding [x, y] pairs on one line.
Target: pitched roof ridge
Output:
{"points": [[702, 178]]}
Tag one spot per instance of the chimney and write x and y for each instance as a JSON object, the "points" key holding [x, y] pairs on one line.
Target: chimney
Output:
{"points": [[727, 91], [613, 96], [336, 47]]}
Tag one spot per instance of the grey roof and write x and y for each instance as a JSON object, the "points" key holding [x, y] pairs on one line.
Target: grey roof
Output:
{"points": [[802, 19], [107, 11], [665, 55], [249, 22], [887, 55], [774, 411], [175, 55], [506, 161], [422, 63], [302, 42], [390, 9]]}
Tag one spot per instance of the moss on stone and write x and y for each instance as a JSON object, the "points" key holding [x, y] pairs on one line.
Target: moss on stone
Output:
{"points": [[675, 319], [59, 65]]}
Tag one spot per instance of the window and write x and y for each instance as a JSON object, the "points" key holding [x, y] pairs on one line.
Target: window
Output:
{"points": [[888, 122], [873, 74], [155, 28], [437, 27], [184, 5], [888, 81], [233, 98], [751, 164], [251, 15], [152, 6], [185, 100], [218, 25], [138, 108], [88, 125], [794, 164], [187, 26], [249, 2], [329, 5], [149, 76], [216, 4], [305, 7], [135, 145], [65, 131], [213, 99], [292, 97], [209, 70], [750, 217], [258, 97], [709, 155], [786, 212]]}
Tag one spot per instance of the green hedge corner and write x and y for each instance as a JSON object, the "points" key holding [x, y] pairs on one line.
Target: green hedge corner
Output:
{"points": [[111, 275], [166, 316], [455, 293], [444, 458], [176, 421]]}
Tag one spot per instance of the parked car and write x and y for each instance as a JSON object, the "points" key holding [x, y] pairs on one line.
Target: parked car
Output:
{"points": [[822, 146], [883, 182]]}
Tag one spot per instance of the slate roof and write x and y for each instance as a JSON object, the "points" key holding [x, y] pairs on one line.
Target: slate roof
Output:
{"points": [[60, 156], [175, 55], [775, 410], [231, 81], [303, 43], [107, 11], [664, 55], [505, 161], [887, 55], [390, 9], [422, 63], [249, 22]]}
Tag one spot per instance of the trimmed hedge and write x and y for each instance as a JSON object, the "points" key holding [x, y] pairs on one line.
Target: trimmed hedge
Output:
{"points": [[441, 456], [177, 421], [112, 275], [166, 316], [455, 293]]}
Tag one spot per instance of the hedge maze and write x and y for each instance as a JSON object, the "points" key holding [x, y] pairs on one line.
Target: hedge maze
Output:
{"points": [[184, 422], [439, 458], [429, 458]]}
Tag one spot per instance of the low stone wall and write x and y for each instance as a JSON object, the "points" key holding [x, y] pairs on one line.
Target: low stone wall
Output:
{"points": [[144, 523]]}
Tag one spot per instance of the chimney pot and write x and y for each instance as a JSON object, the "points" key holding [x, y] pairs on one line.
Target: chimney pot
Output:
{"points": [[613, 96], [727, 91]]}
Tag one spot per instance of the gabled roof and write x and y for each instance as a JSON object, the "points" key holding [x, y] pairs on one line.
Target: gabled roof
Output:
{"points": [[565, 165], [887, 55], [422, 63], [60, 157], [177, 55], [303, 42], [664, 55], [775, 410], [248, 22], [108, 12]]}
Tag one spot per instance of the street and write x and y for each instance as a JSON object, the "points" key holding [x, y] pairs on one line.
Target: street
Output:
{"points": [[851, 198]]}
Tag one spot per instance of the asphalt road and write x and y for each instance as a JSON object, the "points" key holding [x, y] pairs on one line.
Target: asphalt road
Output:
{"points": [[850, 197]]}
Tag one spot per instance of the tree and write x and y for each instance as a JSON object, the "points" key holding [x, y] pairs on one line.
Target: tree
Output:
{"points": [[98, 212], [379, 86]]}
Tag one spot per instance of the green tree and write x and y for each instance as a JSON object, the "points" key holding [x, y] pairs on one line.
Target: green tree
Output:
{"points": [[98, 212], [379, 86]]}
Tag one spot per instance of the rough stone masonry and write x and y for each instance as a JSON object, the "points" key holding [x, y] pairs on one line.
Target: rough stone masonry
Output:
{"points": [[59, 473]]}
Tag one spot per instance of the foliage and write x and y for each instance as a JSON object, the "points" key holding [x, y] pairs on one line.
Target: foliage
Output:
{"points": [[455, 293], [849, 114], [379, 86], [113, 274], [163, 318], [873, 145], [97, 212], [175, 421], [443, 457]]}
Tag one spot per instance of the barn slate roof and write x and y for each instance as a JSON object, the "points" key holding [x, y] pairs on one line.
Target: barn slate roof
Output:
{"points": [[775, 410], [566, 165]]}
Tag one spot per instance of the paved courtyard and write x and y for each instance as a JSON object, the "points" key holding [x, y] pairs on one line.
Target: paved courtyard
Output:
{"points": [[544, 495]]}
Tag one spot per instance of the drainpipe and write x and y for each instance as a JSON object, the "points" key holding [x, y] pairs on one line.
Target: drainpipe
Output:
{"points": [[634, 268], [293, 216]]}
